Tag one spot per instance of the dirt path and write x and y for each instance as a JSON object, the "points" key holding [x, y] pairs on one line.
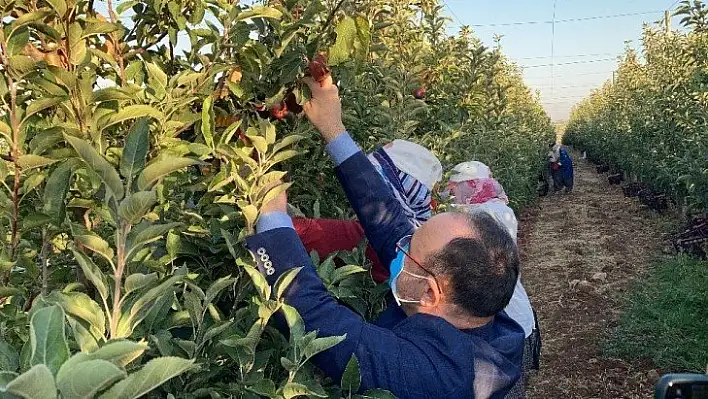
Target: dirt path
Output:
{"points": [[579, 252]]}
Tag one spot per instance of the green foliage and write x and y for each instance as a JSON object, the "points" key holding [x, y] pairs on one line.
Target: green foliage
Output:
{"points": [[651, 121], [663, 318], [124, 201]]}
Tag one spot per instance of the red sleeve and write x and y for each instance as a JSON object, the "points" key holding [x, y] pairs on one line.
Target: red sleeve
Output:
{"points": [[327, 236]]}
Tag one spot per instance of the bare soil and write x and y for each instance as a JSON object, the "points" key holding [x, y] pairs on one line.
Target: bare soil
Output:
{"points": [[580, 252]]}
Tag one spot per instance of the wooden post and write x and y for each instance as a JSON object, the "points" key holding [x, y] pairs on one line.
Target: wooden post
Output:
{"points": [[667, 20]]}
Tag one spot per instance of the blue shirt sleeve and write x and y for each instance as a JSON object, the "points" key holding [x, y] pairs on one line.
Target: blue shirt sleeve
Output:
{"points": [[342, 148], [273, 220]]}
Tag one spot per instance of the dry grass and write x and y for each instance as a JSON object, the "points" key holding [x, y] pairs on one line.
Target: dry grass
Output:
{"points": [[574, 237]]}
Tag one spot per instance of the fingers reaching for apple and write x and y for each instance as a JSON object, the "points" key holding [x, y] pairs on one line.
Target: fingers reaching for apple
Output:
{"points": [[324, 110]]}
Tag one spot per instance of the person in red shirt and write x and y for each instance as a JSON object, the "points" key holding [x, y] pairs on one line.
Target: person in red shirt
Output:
{"points": [[411, 172]]}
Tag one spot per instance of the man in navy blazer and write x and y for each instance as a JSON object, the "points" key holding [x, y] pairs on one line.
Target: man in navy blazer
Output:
{"points": [[446, 335]]}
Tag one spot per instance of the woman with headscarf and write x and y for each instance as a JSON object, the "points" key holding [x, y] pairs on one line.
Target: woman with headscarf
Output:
{"points": [[561, 168], [411, 172], [475, 190]]}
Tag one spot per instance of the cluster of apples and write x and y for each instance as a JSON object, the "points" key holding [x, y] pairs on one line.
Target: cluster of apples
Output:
{"points": [[317, 68]]}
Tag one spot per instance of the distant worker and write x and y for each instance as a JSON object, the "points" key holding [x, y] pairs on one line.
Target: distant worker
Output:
{"points": [[561, 168]]}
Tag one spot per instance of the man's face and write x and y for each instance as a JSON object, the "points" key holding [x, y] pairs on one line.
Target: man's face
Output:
{"points": [[428, 240]]}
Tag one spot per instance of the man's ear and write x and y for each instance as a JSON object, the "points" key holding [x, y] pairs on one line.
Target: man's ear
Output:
{"points": [[432, 294]]}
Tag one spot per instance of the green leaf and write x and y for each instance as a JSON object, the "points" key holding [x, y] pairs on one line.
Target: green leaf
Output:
{"points": [[208, 121], [319, 345], [133, 208], [48, 338], [363, 44], [83, 337], [22, 64], [275, 192], [216, 287], [92, 272], [100, 28], [283, 156], [260, 12], [97, 245], [295, 322], [259, 281], [155, 373], [131, 112], [77, 44], [250, 212], [126, 5], [157, 170], [344, 45], [6, 130], [34, 220], [269, 130], [59, 6], [31, 183], [376, 394], [259, 143], [9, 291], [17, 41], [6, 377], [45, 140], [284, 281], [216, 329], [157, 80], [97, 164], [149, 234], [137, 281], [136, 148], [294, 389], [56, 190], [36, 383], [81, 306], [120, 353], [31, 161], [139, 309], [351, 378], [110, 94], [263, 387], [225, 137], [88, 378], [40, 105], [341, 273], [286, 142], [30, 17], [9, 358]]}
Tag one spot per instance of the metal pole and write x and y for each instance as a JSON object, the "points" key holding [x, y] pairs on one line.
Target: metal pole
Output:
{"points": [[553, 47]]}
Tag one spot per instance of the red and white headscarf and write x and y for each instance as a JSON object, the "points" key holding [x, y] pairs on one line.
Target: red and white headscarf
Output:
{"points": [[472, 183]]}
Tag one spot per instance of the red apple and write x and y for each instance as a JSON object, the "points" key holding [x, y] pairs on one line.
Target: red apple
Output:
{"points": [[318, 68], [279, 111]]}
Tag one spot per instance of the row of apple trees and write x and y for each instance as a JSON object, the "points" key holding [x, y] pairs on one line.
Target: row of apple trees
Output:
{"points": [[139, 139], [651, 122]]}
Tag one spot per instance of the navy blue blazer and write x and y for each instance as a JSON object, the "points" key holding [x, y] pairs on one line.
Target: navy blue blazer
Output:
{"points": [[420, 356]]}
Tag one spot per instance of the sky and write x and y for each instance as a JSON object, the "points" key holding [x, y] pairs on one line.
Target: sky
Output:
{"points": [[580, 56]]}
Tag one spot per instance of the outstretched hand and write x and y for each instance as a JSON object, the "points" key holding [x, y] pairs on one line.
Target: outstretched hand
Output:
{"points": [[324, 110]]}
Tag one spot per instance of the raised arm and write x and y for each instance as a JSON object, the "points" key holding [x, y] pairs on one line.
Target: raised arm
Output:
{"points": [[379, 212]]}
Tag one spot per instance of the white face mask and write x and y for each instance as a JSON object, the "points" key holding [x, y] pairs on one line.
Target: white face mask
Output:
{"points": [[397, 267]]}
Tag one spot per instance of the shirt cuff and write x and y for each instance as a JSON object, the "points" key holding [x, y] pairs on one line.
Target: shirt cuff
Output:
{"points": [[341, 148], [273, 220]]}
